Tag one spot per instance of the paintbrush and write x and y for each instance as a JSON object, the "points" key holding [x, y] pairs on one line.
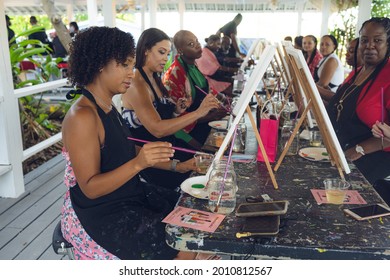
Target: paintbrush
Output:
{"points": [[229, 160], [382, 112], [219, 102], [175, 148]]}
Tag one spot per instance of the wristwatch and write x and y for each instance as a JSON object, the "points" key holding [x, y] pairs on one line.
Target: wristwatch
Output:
{"points": [[174, 163], [359, 149]]}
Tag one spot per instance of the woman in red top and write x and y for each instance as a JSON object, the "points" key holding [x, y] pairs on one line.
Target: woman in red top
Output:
{"points": [[364, 99]]}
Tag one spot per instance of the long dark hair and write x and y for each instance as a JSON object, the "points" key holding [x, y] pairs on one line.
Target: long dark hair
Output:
{"points": [[313, 54], [334, 40], [149, 38]]}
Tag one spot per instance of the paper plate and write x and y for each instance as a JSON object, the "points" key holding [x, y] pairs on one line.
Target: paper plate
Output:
{"points": [[305, 134], [186, 186], [314, 154], [219, 124]]}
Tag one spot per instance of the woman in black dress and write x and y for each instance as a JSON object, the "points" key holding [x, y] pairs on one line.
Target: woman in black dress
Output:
{"points": [[111, 207]]}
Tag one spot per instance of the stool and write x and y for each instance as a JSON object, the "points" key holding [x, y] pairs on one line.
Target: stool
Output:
{"points": [[60, 245]]}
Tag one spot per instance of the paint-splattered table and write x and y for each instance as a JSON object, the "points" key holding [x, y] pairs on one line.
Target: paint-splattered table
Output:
{"points": [[307, 231]]}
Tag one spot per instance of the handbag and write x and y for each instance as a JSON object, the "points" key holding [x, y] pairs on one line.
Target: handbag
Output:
{"points": [[268, 129]]}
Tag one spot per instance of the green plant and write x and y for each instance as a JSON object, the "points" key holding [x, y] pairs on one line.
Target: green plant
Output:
{"points": [[34, 113], [380, 8], [345, 32]]}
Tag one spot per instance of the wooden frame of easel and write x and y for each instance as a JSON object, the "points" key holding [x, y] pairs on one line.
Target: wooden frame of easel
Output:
{"points": [[250, 52], [298, 95], [302, 74], [279, 69], [243, 105]]}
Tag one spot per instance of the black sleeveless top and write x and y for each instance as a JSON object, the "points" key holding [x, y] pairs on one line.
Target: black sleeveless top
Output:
{"points": [[116, 221], [350, 131], [163, 107]]}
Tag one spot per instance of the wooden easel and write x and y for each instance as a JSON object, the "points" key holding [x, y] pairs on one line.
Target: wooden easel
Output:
{"points": [[243, 105], [314, 103]]}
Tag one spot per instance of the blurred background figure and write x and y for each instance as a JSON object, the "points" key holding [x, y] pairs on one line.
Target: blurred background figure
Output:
{"points": [[73, 28], [230, 29], [352, 56], [223, 57], [298, 42], [11, 33], [288, 38], [40, 34], [58, 49], [329, 73], [210, 67], [311, 53]]}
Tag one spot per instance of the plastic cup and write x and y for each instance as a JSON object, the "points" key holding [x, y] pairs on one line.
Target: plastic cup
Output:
{"points": [[203, 161], [315, 139], [218, 138], [335, 190]]}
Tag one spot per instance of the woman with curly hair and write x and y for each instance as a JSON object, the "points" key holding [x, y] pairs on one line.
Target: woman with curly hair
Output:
{"points": [[108, 212]]}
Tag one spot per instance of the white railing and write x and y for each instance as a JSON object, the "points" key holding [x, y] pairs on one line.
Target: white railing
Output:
{"points": [[34, 90], [11, 185]]}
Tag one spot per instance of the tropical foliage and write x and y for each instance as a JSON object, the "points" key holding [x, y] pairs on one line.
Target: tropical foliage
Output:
{"points": [[346, 31], [36, 116]]}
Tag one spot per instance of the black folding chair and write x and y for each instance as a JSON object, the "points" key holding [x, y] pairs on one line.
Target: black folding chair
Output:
{"points": [[60, 245]]}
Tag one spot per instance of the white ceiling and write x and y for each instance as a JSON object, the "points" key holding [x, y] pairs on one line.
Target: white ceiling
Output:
{"points": [[33, 7]]}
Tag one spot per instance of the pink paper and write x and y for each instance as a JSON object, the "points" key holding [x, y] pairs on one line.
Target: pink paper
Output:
{"points": [[192, 218], [352, 197]]}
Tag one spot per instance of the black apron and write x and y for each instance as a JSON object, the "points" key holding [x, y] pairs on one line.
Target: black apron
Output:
{"points": [[350, 131], [164, 178]]}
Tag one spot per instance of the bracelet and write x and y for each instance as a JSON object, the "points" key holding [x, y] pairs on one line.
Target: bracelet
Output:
{"points": [[359, 149], [174, 163]]}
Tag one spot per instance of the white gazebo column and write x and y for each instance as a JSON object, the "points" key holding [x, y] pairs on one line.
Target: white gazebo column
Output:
{"points": [[109, 13], [181, 14], [363, 14], [300, 12], [152, 4], [11, 148], [69, 12], [325, 17], [92, 12], [142, 17]]}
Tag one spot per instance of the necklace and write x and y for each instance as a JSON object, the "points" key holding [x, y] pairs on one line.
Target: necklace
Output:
{"points": [[360, 79], [346, 93], [109, 107]]}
